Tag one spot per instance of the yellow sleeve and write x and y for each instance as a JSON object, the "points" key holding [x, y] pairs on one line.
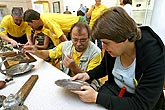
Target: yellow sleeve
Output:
{"points": [[3, 26], [94, 62], [28, 31], [47, 32], [56, 53], [52, 36], [55, 28]]}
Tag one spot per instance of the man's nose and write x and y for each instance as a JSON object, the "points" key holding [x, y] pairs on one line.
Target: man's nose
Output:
{"points": [[19, 22], [78, 42]]}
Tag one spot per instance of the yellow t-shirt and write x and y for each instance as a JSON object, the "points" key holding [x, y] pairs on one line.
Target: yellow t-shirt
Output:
{"points": [[96, 13], [57, 53], [58, 23], [48, 33], [8, 26]]}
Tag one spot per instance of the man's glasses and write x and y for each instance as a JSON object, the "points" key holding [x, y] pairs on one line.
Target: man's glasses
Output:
{"points": [[83, 40]]}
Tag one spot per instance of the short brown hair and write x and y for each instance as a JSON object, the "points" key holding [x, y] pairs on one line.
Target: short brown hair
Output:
{"points": [[116, 25], [30, 15]]}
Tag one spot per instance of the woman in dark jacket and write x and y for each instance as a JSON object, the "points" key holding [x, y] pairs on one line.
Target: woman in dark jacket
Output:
{"points": [[134, 62]]}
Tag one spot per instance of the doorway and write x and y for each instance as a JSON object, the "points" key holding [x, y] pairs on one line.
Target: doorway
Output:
{"points": [[142, 11]]}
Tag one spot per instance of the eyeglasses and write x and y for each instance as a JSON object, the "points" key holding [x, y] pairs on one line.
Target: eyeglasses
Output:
{"points": [[83, 40]]}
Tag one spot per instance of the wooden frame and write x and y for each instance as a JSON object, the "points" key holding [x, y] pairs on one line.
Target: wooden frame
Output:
{"points": [[56, 7]]}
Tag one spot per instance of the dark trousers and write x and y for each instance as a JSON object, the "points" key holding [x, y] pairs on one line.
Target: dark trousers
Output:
{"points": [[22, 39]]}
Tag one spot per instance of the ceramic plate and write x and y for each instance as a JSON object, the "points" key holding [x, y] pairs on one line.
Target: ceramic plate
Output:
{"points": [[18, 69], [71, 84]]}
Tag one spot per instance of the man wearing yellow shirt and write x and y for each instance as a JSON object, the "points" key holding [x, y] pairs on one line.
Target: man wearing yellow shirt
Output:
{"points": [[93, 13], [78, 55], [13, 30], [59, 24]]}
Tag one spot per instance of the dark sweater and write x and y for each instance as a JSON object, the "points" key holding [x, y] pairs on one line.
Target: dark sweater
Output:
{"points": [[149, 72]]}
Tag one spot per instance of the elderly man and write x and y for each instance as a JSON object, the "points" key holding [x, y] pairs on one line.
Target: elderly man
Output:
{"points": [[13, 30], [77, 55], [59, 24]]}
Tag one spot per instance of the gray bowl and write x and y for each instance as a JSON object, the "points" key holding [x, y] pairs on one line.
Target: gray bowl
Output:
{"points": [[17, 69]]}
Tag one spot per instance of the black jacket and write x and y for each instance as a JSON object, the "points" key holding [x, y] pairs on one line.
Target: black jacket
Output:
{"points": [[149, 72]]}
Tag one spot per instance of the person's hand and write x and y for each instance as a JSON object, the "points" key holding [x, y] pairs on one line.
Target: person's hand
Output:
{"points": [[13, 43], [81, 76], [28, 43], [19, 47], [63, 38], [93, 7], [69, 62], [88, 94], [19, 44], [30, 49]]}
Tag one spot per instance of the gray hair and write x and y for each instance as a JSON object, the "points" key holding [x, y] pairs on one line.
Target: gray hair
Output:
{"points": [[17, 11]]}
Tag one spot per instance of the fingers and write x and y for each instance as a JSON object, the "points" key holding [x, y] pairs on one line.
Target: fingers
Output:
{"points": [[14, 43], [84, 89], [81, 76], [74, 77], [65, 61], [19, 44], [28, 48], [87, 94], [28, 43], [77, 92], [68, 61], [68, 57], [93, 7]]}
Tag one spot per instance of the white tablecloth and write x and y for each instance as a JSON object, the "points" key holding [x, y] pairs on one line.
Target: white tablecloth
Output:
{"points": [[45, 95]]}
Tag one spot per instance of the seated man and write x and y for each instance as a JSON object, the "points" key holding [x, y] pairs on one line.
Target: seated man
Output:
{"points": [[78, 55], [13, 30]]}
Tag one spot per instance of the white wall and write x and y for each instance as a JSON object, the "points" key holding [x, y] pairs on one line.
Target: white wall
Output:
{"points": [[16, 3], [72, 7], [157, 22], [158, 16]]}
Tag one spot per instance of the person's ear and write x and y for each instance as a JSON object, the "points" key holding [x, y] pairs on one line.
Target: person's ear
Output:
{"points": [[131, 36]]}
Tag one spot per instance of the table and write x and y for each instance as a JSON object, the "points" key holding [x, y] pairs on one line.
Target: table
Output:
{"points": [[45, 95]]}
